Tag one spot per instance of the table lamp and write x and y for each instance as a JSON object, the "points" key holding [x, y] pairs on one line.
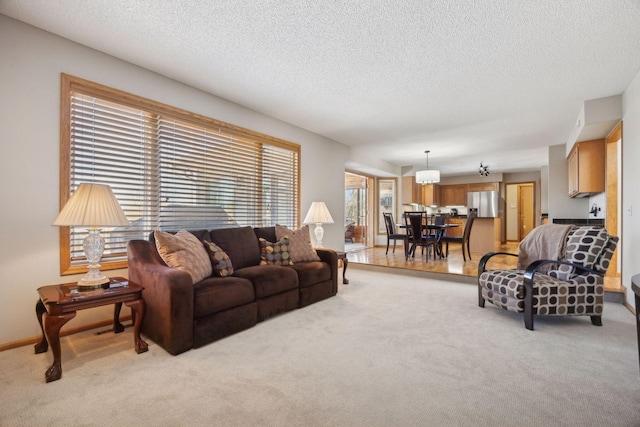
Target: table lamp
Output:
{"points": [[318, 214], [93, 206]]}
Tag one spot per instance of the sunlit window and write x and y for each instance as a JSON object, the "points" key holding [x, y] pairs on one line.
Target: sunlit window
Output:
{"points": [[170, 169]]}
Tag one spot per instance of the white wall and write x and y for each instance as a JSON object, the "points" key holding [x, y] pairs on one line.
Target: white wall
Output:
{"points": [[544, 189], [511, 212], [559, 203], [31, 61], [630, 181]]}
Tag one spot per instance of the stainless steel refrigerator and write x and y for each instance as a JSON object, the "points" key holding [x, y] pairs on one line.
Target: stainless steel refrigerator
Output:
{"points": [[485, 203]]}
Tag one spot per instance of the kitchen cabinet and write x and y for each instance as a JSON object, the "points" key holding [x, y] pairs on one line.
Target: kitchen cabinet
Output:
{"points": [[431, 195], [411, 191], [485, 235], [454, 195], [456, 231], [484, 186], [586, 168]]}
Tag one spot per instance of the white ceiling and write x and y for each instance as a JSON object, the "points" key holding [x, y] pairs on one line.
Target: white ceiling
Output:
{"points": [[495, 81]]}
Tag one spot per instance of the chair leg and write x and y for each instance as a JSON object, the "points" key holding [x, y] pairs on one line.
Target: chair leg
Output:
{"points": [[596, 320], [468, 251], [480, 298], [528, 319], [394, 246], [387, 251]]}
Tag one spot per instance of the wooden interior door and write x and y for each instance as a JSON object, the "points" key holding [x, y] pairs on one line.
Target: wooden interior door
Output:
{"points": [[525, 209], [613, 221]]}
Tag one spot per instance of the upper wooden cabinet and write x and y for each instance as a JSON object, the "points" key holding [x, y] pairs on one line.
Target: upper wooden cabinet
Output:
{"points": [[454, 195], [586, 165], [431, 195], [411, 191], [484, 186]]}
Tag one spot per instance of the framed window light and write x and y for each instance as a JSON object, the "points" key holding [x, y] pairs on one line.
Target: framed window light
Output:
{"points": [[386, 200]]}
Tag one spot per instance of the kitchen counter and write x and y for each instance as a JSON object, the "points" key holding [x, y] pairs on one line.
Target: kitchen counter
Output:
{"points": [[485, 235]]}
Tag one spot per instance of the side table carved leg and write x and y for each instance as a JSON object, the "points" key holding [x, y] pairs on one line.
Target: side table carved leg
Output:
{"points": [[345, 264], [52, 325], [117, 326], [138, 308], [43, 345]]}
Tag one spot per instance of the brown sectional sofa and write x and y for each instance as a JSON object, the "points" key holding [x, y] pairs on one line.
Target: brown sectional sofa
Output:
{"points": [[181, 315]]}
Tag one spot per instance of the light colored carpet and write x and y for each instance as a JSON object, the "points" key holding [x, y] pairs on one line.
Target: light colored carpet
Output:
{"points": [[388, 350]]}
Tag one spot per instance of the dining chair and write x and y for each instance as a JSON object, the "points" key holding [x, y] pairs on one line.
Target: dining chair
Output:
{"points": [[439, 233], [392, 233], [463, 240], [415, 223]]}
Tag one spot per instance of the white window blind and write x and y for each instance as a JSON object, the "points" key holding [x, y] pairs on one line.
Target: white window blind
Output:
{"points": [[170, 169]]}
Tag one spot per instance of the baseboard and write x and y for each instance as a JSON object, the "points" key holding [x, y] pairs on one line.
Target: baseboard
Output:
{"points": [[459, 278], [630, 308], [63, 333]]}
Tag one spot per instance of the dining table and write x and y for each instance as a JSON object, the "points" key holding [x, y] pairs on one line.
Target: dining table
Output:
{"points": [[441, 229]]}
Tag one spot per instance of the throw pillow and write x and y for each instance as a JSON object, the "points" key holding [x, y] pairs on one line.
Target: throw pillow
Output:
{"points": [[275, 253], [300, 247], [185, 252], [220, 261]]}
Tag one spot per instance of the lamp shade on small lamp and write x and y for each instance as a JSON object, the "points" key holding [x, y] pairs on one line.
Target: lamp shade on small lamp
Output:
{"points": [[93, 206], [318, 214]]}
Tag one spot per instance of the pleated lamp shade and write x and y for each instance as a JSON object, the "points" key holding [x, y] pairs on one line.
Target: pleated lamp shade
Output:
{"points": [[92, 205], [318, 213]]}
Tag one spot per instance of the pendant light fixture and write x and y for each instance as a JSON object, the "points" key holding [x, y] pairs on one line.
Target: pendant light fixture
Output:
{"points": [[428, 176]]}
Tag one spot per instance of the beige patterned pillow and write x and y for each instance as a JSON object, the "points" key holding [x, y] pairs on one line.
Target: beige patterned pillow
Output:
{"points": [[299, 243], [184, 251]]}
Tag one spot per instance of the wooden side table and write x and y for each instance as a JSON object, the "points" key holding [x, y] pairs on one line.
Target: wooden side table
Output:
{"points": [[59, 304], [345, 264], [635, 285]]}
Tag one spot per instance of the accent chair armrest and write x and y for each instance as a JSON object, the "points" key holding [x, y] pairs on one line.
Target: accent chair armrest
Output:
{"points": [[533, 268], [482, 265]]}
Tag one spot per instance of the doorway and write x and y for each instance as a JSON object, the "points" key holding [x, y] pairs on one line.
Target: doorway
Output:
{"points": [[613, 221], [357, 207], [520, 212]]}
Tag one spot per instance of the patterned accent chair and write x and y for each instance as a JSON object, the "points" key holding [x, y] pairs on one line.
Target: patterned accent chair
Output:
{"points": [[571, 286]]}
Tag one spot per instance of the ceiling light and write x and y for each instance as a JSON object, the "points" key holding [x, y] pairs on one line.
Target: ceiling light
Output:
{"points": [[428, 176], [483, 170]]}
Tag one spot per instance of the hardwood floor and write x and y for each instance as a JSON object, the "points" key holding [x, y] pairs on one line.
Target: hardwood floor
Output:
{"points": [[453, 264]]}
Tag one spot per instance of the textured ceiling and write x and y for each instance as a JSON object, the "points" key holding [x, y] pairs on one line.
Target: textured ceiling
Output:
{"points": [[492, 80]]}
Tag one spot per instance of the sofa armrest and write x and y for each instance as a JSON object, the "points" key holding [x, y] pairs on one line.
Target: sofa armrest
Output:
{"points": [[330, 257], [168, 296]]}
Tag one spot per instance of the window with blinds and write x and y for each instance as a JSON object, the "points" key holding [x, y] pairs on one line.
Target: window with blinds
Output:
{"points": [[170, 169]]}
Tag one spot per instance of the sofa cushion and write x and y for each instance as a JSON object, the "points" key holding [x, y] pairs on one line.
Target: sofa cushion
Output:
{"points": [[220, 261], [269, 280], [275, 253], [185, 252], [310, 273], [299, 243], [240, 243], [217, 294], [267, 233]]}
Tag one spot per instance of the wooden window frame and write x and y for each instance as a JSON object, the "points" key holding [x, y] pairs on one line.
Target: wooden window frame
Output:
{"points": [[70, 84]]}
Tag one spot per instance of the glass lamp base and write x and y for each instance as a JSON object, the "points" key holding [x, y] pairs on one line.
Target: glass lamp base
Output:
{"points": [[92, 281], [93, 247]]}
